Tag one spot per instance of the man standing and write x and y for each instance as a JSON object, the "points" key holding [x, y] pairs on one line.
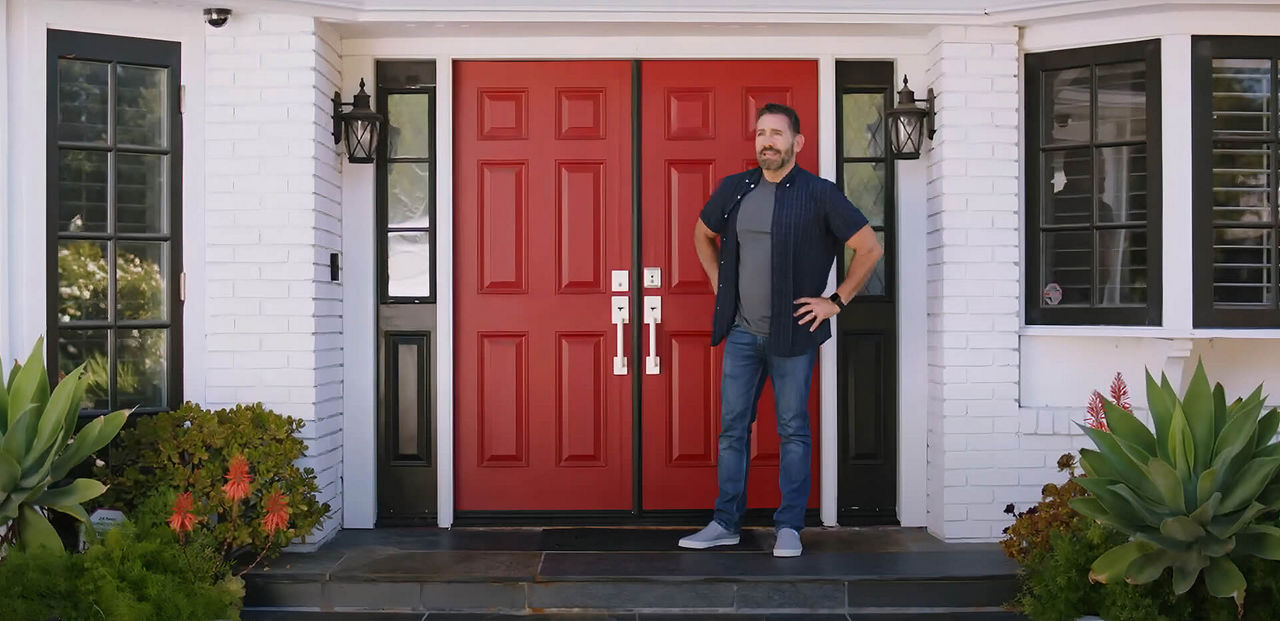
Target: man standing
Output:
{"points": [[780, 228]]}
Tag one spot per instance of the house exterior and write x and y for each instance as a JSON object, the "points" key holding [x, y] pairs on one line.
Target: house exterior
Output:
{"points": [[1099, 197]]}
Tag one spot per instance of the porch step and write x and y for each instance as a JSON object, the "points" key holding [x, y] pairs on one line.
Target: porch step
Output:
{"points": [[632, 573]]}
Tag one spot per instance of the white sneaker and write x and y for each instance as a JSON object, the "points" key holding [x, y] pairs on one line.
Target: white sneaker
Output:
{"points": [[713, 535], [788, 543]]}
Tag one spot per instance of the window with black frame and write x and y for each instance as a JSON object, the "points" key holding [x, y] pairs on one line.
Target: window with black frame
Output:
{"points": [[1234, 124], [114, 218], [1093, 186], [406, 182]]}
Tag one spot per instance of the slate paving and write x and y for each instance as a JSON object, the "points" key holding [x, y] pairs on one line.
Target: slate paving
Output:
{"points": [[637, 574]]}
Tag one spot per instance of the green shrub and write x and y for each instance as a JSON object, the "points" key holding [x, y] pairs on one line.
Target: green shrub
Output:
{"points": [[39, 447], [1190, 493], [127, 576], [190, 451]]}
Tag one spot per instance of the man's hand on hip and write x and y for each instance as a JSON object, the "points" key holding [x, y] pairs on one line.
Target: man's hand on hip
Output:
{"points": [[815, 310]]}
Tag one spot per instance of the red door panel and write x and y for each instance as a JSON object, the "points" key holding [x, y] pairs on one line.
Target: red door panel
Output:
{"points": [[699, 125], [542, 215]]}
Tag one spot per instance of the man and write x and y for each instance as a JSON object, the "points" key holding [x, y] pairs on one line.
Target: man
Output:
{"points": [[780, 229]]}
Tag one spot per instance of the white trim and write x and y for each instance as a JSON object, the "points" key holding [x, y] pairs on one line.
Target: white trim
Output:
{"points": [[913, 334], [1101, 30], [444, 290], [828, 354], [6, 259], [359, 325], [1176, 208]]}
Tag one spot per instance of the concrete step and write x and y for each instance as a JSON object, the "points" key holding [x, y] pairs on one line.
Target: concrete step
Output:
{"points": [[637, 574]]}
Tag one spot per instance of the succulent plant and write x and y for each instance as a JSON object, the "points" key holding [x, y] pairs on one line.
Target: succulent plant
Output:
{"points": [[39, 445], [1191, 494]]}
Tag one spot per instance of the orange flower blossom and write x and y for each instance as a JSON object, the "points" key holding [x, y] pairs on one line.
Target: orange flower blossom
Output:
{"points": [[238, 479], [277, 513], [182, 519]]}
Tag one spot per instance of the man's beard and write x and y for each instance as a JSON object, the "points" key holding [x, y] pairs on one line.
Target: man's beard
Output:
{"points": [[786, 157]]}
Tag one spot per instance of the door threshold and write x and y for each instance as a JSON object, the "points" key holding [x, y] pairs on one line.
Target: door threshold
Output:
{"points": [[675, 517]]}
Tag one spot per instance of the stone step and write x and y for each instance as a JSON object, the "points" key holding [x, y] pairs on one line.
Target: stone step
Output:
{"points": [[636, 572]]}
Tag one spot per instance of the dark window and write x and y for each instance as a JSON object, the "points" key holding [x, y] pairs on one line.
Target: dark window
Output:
{"points": [[864, 160], [406, 182], [1093, 185], [114, 211], [1233, 85]]}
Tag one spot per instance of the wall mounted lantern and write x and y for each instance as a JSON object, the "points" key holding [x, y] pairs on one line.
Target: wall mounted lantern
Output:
{"points": [[361, 126], [909, 123]]}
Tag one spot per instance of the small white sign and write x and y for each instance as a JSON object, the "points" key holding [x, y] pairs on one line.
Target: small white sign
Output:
{"points": [[1052, 294]]}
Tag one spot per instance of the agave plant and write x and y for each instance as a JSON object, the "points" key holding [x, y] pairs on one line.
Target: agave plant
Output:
{"points": [[1188, 495], [38, 448]]}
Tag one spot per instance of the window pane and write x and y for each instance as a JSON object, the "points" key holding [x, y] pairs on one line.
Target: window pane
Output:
{"points": [[863, 124], [407, 405], [1122, 181], [140, 106], [82, 100], [140, 271], [864, 186], [82, 191], [1068, 268], [1122, 102], [1241, 183], [140, 193], [141, 374], [1242, 97], [1068, 183], [409, 265], [82, 280], [1122, 267], [1242, 264], [409, 125], [88, 347], [409, 195], [1067, 107]]}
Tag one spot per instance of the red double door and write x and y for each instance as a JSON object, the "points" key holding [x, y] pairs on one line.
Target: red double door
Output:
{"points": [[543, 216]]}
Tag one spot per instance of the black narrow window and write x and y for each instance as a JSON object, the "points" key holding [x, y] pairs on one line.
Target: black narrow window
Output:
{"points": [[1234, 119], [114, 149], [1093, 185], [406, 183]]}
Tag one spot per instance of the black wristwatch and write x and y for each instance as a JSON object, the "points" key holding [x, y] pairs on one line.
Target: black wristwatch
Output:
{"points": [[835, 297]]}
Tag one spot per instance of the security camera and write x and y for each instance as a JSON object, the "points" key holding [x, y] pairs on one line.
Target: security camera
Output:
{"points": [[217, 17]]}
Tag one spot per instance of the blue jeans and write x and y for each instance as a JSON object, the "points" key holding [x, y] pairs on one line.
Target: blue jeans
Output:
{"points": [[745, 367]]}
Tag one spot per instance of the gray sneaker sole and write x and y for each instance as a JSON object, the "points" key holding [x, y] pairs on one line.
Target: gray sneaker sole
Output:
{"points": [[786, 553], [702, 545]]}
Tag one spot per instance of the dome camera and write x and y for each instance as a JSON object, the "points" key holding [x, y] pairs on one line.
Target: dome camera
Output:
{"points": [[217, 17]]}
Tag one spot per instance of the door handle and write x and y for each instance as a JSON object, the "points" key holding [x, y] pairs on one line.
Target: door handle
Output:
{"points": [[620, 311], [652, 317]]}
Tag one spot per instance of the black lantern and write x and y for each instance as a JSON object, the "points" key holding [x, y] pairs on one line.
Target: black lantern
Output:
{"points": [[361, 126], [909, 122]]}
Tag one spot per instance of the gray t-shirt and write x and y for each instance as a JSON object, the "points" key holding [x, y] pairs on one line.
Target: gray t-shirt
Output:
{"points": [[755, 235]]}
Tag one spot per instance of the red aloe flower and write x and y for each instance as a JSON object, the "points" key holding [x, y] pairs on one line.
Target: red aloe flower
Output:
{"points": [[1120, 393], [182, 519], [277, 513], [238, 479], [1096, 415]]}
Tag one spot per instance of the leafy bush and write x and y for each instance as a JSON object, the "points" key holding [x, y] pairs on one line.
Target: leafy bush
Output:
{"points": [[143, 576], [229, 477], [39, 446], [1032, 529], [1192, 495]]}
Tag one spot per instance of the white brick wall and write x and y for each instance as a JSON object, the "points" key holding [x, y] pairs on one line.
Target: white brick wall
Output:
{"points": [[273, 216], [975, 451]]}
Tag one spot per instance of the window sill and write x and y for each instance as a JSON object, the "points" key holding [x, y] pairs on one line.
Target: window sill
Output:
{"points": [[1151, 332]]}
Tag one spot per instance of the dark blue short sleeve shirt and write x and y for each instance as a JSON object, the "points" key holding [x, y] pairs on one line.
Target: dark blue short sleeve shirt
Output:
{"points": [[812, 220]]}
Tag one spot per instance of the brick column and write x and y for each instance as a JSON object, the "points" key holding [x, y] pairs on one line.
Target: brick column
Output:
{"points": [[973, 282], [273, 215]]}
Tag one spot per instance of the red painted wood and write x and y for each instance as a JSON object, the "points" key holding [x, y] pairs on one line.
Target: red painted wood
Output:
{"points": [[542, 214], [699, 125]]}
